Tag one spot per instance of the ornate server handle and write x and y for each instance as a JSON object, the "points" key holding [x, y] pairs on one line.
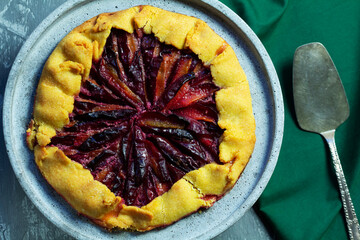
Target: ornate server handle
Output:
{"points": [[350, 215]]}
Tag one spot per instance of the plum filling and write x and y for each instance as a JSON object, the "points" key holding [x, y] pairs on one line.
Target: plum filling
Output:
{"points": [[145, 117]]}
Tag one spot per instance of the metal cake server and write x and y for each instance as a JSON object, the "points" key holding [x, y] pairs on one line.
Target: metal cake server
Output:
{"points": [[321, 106]]}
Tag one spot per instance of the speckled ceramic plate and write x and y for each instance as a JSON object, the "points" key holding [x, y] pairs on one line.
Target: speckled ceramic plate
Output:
{"points": [[267, 105]]}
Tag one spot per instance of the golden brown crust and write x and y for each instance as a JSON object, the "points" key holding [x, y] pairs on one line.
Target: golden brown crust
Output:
{"points": [[60, 81], [75, 183], [171, 28]]}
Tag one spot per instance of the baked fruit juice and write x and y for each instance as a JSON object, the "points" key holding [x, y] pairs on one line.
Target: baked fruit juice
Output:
{"points": [[141, 117]]}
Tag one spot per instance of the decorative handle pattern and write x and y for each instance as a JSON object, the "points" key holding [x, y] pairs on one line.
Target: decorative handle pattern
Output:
{"points": [[350, 215]]}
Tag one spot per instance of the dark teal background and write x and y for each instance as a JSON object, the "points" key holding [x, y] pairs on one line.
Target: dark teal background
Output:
{"points": [[301, 200]]}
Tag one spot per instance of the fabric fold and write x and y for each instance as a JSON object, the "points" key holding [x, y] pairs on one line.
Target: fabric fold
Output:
{"points": [[302, 200]]}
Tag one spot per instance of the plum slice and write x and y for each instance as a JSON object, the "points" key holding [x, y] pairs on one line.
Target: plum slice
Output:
{"points": [[144, 117]]}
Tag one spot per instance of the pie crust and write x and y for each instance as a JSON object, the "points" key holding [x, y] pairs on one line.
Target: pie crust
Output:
{"points": [[61, 79]]}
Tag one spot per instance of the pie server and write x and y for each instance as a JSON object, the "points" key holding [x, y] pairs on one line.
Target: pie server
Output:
{"points": [[321, 106]]}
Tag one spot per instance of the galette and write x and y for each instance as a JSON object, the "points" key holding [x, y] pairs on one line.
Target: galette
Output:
{"points": [[142, 117]]}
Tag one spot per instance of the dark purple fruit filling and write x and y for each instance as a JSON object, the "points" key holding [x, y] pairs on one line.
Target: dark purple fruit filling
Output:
{"points": [[144, 118]]}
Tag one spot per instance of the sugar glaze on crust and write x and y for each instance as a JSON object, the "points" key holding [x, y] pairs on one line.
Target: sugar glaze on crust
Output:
{"points": [[61, 79]]}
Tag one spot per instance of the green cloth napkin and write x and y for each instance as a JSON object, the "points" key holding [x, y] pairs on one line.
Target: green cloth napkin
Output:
{"points": [[302, 200]]}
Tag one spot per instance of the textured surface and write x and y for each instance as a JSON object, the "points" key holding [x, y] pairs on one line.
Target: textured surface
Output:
{"points": [[17, 20]]}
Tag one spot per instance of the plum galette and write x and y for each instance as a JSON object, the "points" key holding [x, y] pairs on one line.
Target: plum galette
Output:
{"points": [[142, 117]]}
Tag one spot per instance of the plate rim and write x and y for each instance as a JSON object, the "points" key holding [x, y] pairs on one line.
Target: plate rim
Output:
{"points": [[272, 80]]}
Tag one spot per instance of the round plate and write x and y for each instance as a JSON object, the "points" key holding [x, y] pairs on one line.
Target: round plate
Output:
{"points": [[267, 105]]}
